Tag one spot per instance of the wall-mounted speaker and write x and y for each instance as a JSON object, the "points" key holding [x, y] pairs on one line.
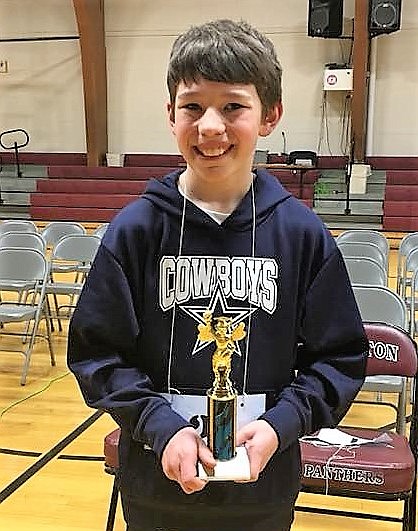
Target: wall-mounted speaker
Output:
{"points": [[325, 18], [384, 16]]}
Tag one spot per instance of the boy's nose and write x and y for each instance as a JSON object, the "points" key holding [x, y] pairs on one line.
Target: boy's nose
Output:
{"points": [[211, 123]]}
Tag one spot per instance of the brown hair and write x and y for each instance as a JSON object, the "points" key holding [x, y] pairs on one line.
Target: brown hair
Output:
{"points": [[229, 52]]}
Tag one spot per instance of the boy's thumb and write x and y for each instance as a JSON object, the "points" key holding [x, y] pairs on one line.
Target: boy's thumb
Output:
{"points": [[205, 456]]}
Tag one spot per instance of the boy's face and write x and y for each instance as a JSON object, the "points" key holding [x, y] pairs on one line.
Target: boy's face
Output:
{"points": [[217, 125]]}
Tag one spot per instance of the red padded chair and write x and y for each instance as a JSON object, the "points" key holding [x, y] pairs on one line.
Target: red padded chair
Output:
{"points": [[378, 472], [385, 471]]}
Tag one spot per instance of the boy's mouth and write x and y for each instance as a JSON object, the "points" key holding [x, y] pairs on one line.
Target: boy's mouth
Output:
{"points": [[213, 152]]}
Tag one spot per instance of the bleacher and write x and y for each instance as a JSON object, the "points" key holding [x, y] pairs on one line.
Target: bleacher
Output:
{"points": [[60, 186], [400, 207], [84, 193]]}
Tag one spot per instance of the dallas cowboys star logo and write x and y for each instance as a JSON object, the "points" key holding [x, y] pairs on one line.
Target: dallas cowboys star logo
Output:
{"points": [[217, 306]]}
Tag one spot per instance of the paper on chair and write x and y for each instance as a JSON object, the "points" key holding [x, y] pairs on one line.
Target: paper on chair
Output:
{"points": [[336, 437]]}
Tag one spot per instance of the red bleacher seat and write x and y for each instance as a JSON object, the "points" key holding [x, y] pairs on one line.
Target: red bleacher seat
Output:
{"points": [[400, 207]]}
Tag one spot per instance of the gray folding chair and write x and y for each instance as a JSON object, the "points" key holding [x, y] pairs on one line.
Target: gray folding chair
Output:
{"points": [[28, 266], [100, 230], [55, 230], [52, 233], [414, 304], [27, 240], [366, 236], [365, 271], [410, 266], [18, 225], [407, 244], [382, 305], [363, 250], [73, 253]]}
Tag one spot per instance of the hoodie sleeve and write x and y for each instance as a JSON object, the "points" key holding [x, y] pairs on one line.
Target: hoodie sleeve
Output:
{"points": [[331, 358], [103, 355]]}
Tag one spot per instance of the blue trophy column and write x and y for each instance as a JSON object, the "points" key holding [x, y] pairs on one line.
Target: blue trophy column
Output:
{"points": [[222, 428]]}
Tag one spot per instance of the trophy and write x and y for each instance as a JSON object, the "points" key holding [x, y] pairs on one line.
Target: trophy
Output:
{"points": [[232, 462]]}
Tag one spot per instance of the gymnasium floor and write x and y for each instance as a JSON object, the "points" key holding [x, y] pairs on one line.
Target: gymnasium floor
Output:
{"points": [[51, 466]]}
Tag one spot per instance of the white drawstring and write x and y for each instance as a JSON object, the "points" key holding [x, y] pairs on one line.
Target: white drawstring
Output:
{"points": [[170, 355], [247, 344], [173, 318]]}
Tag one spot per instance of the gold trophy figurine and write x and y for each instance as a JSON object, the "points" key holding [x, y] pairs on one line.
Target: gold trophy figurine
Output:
{"points": [[222, 397]]}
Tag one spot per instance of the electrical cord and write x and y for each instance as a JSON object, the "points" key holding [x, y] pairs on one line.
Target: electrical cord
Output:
{"points": [[47, 386], [324, 127], [345, 125]]}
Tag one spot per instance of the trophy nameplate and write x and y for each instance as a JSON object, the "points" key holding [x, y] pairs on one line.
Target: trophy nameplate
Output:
{"points": [[232, 461]]}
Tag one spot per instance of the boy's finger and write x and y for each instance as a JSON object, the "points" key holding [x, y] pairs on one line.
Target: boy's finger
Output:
{"points": [[187, 470], [242, 437], [188, 480], [255, 464], [193, 486]]}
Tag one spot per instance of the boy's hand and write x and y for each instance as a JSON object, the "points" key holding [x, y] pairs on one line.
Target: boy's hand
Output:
{"points": [[180, 457], [261, 442]]}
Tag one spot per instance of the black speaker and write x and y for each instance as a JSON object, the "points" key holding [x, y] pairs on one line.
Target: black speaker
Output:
{"points": [[384, 16], [325, 18]]}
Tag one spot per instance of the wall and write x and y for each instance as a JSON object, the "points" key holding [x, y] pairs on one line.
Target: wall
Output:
{"points": [[43, 90]]}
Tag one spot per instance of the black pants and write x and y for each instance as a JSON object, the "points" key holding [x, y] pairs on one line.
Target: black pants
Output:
{"points": [[141, 518]]}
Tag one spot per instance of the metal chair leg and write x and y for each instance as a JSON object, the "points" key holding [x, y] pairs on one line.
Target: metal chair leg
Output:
{"points": [[113, 505]]}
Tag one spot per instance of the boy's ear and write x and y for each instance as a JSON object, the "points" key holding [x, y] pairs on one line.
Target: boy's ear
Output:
{"points": [[170, 112], [270, 120]]}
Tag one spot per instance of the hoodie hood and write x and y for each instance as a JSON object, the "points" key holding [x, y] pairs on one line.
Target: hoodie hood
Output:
{"points": [[268, 194]]}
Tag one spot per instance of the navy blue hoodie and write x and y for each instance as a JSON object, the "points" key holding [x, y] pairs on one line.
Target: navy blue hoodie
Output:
{"points": [[306, 344]]}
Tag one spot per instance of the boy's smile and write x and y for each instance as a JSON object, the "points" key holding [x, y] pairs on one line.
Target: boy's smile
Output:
{"points": [[216, 126]]}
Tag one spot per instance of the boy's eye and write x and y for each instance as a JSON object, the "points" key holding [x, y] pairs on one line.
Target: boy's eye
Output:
{"points": [[191, 107], [233, 106]]}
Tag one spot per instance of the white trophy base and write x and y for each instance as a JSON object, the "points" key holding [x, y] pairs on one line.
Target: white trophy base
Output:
{"points": [[235, 469]]}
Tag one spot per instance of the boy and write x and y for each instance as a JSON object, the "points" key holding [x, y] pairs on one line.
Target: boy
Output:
{"points": [[217, 237]]}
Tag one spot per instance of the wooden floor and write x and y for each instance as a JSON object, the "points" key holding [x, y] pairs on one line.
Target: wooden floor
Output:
{"points": [[51, 467]]}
